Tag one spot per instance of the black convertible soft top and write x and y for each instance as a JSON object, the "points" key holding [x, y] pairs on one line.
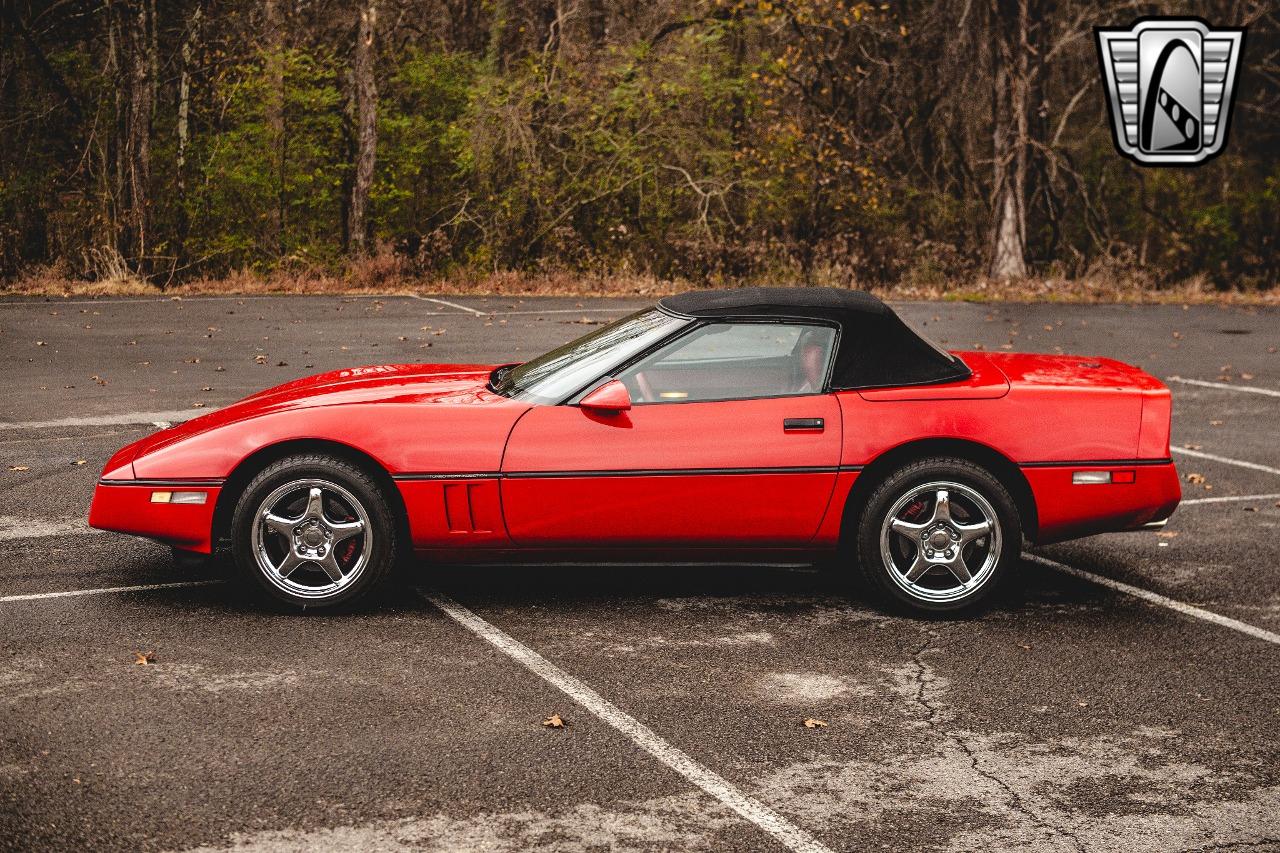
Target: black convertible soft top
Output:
{"points": [[876, 349]]}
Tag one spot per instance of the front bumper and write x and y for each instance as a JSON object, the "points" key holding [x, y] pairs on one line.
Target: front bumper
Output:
{"points": [[126, 506]]}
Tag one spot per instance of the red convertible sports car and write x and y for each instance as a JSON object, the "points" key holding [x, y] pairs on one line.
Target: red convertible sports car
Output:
{"points": [[764, 424]]}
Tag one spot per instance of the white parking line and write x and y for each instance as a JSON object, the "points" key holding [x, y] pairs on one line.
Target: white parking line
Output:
{"points": [[784, 831], [1224, 386], [449, 304], [1227, 498], [1226, 460], [611, 310], [181, 299], [454, 305], [34, 596], [12, 528], [171, 417], [1158, 599]]}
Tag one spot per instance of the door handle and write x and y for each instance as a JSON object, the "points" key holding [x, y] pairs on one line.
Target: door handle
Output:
{"points": [[803, 424]]}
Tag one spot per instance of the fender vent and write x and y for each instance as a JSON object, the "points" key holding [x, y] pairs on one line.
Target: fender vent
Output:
{"points": [[458, 508]]}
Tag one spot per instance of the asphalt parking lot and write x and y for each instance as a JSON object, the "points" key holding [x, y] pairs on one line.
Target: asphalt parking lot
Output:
{"points": [[1121, 693]]}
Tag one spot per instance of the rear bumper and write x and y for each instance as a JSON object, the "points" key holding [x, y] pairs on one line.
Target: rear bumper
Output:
{"points": [[1066, 510], [127, 507]]}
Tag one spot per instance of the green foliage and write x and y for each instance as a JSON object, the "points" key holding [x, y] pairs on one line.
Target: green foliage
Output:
{"points": [[422, 147], [261, 196], [719, 140]]}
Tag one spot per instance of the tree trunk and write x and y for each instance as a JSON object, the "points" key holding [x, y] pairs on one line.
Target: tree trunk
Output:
{"points": [[1010, 123], [366, 96], [1007, 257], [136, 237], [597, 22], [184, 124], [273, 24]]}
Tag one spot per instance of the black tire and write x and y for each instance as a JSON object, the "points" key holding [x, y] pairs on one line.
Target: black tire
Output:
{"points": [[973, 497], [345, 489]]}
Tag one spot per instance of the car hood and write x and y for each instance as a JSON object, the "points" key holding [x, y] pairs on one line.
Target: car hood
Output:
{"points": [[431, 384], [458, 383]]}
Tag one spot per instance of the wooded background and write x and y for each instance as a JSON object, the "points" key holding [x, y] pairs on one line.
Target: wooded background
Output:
{"points": [[716, 141]]}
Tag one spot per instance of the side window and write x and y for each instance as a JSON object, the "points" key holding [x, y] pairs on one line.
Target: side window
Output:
{"points": [[732, 361]]}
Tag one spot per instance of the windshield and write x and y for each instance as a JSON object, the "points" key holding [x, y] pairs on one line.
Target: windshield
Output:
{"points": [[565, 370]]}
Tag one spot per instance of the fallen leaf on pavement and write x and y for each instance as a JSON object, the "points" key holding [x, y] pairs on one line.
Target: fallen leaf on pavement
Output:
{"points": [[1191, 446], [553, 722], [1197, 479], [79, 461], [811, 723], [19, 467], [144, 658]]}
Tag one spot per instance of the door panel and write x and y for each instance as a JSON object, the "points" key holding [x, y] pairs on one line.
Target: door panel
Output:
{"points": [[716, 473]]}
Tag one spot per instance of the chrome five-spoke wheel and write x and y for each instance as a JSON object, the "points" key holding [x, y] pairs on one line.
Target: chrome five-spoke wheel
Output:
{"points": [[314, 531], [938, 533], [312, 538], [940, 541]]}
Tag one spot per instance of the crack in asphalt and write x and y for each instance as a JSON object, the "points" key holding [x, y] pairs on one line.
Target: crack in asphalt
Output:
{"points": [[1236, 845], [923, 678]]}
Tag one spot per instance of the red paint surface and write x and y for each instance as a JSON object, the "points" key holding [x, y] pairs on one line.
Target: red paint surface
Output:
{"points": [[1068, 511], [128, 509], [719, 507], [441, 419]]}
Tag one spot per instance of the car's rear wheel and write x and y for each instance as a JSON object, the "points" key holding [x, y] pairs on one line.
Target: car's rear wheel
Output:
{"points": [[938, 535], [314, 531]]}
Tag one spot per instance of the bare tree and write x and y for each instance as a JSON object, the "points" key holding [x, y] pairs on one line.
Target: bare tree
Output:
{"points": [[366, 98], [183, 129], [1009, 92], [135, 26], [273, 26]]}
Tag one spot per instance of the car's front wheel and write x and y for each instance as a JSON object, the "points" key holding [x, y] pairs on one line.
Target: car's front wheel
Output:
{"points": [[938, 535], [314, 531]]}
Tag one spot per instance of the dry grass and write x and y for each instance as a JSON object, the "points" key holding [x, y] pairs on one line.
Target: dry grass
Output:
{"points": [[385, 275]]}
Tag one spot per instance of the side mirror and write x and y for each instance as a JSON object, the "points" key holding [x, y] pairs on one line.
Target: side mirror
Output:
{"points": [[611, 398]]}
